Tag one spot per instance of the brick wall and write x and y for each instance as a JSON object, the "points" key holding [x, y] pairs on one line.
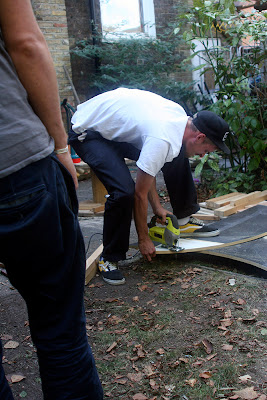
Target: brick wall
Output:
{"points": [[63, 22], [51, 17], [79, 27]]}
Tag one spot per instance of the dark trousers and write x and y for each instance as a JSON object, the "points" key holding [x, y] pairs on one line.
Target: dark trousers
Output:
{"points": [[43, 252], [106, 158]]}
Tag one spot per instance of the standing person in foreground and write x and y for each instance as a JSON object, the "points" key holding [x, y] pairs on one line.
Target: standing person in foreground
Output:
{"points": [[143, 126], [41, 243]]}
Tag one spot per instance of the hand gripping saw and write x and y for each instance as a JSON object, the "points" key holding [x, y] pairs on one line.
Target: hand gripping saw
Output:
{"points": [[169, 235]]}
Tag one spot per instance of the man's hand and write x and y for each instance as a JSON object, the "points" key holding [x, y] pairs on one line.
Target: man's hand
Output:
{"points": [[66, 160], [162, 213], [147, 249]]}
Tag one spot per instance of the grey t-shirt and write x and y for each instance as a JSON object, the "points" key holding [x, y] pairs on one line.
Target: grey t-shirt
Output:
{"points": [[23, 137]]}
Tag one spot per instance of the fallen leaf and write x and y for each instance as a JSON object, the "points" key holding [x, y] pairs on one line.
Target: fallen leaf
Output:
{"points": [[185, 286], [249, 320], [111, 347], [208, 346], [197, 270], [205, 375], [197, 364], [11, 344], [140, 396], [210, 383], [6, 337], [135, 377], [245, 378], [226, 322], [121, 381], [142, 288], [153, 384], [110, 300], [247, 394], [148, 371], [211, 356], [241, 302], [15, 378], [191, 382], [227, 347], [184, 360], [160, 351], [135, 298]]}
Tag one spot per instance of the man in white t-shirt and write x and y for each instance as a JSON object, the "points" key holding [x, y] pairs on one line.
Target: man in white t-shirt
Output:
{"points": [[158, 134]]}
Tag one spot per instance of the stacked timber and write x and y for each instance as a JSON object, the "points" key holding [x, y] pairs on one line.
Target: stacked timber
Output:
{"points": [[231, 203]]}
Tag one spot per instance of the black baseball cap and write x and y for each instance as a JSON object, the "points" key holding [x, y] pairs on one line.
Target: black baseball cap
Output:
{"points": [[214, 127]]}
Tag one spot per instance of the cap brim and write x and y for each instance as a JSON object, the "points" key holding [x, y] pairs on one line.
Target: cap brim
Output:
{"points": [[222, 146]]}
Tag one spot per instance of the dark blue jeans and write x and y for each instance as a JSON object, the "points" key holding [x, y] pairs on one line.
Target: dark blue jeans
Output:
{"points": [[106, 158], [43, 252]]}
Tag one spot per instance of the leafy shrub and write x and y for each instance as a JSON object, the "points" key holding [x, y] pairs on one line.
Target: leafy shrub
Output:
{"points": [[141, 63], [240, 83]]}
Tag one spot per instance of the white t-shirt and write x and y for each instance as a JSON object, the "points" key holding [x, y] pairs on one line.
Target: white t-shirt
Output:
{"points": [[148, 121]]}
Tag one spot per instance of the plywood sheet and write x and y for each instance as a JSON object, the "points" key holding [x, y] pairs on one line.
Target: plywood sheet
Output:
{"points": [[243, 236]]}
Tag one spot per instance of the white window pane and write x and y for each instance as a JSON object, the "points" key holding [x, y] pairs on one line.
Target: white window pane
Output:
{"points": [[120, 16]]}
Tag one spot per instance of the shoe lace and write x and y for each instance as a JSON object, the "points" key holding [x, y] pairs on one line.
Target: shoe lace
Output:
{"points": [[196, 221], [108, 266]]}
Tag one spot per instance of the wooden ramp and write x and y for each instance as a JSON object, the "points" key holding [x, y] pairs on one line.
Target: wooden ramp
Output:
{"points": [[243, 238]]}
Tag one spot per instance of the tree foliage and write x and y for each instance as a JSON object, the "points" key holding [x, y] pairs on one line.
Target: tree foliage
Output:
{"points": [[240, 78], [141, 63]]}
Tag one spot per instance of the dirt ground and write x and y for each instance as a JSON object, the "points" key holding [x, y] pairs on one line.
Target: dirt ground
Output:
{"points": [[178, 329], [182, 327]]}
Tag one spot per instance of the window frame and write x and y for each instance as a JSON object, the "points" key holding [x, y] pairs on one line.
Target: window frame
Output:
{"points": [[147, 23]]}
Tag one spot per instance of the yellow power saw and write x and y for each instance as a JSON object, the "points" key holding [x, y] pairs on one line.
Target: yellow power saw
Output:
{"points": [[169, 235]]}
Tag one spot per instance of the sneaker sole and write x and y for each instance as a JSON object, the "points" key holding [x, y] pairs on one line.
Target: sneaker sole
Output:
{"points": [[113, 282], [200, 234]]}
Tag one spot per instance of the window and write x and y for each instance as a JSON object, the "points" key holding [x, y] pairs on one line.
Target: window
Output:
{"points": [[131, 17], [204, 83]]}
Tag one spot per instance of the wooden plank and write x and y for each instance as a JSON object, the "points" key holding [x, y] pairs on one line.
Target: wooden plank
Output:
{"points": [[238, 204], [227, 210], [196, 245], [88, 205], [206, 217], [91, 264], [226, 201], [210, 202], [99, 190], [99, 209], [251, 198], [86, 213], [235, 258]]}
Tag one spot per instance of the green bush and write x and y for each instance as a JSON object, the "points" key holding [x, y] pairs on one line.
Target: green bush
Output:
{"points": [[239, 99], [141, 63]]}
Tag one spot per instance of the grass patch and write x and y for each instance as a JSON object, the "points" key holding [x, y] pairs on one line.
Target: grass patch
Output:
{"points": [[170, 339]]}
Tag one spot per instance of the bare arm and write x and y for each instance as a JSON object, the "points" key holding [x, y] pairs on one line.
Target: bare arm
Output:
{"points": [[145, 188], [142, 187], [29, 52], [155, 203]]}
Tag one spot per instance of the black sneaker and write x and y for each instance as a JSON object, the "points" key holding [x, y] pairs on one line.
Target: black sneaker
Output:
{"points": [[110, 273], [196, 228]]}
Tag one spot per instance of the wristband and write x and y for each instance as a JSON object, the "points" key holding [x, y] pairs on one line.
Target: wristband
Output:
{"points": [[61, 151]]}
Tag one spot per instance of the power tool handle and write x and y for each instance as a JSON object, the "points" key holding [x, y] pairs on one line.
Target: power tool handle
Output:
{"points": [[174, 220]]}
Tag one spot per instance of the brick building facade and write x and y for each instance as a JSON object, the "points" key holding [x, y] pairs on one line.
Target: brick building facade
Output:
{"points": [[51, 17], [63, 22]]}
